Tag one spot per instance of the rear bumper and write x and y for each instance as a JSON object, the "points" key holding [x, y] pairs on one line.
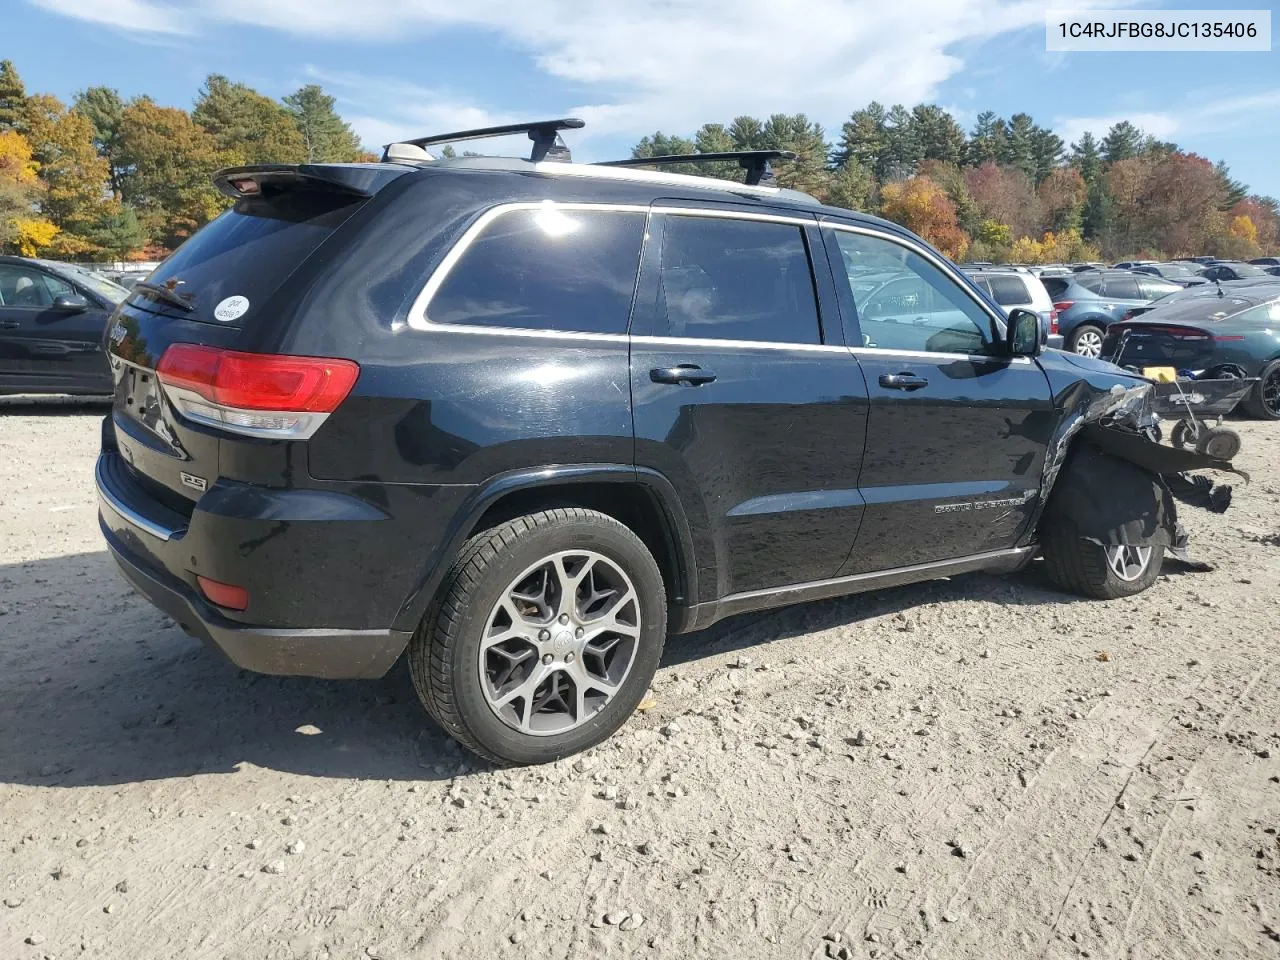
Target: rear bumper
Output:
{"points": [[153, 548], [332, 654]]}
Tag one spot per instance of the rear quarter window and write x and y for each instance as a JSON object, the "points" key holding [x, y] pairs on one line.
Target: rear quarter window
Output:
{"points": [[545, 269], [1055, 286], [1092, 284], [1009, 291]]}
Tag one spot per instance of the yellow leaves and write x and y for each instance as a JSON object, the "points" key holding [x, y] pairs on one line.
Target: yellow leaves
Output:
{"points": [[1026, 250], [33, 235], [16, 163], [1242, 228]]}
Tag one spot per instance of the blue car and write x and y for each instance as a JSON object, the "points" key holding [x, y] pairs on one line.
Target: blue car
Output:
{"points": [[1088, 303]]}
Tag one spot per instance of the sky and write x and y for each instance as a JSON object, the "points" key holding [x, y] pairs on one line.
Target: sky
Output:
{"points": [[403, 68]]}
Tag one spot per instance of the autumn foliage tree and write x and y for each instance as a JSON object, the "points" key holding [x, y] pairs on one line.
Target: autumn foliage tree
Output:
{"points": [[923, 207]]}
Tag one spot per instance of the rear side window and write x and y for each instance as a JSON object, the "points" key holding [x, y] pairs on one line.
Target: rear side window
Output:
{"points": [[1009, 291], [249, 251], [1092, 284], [1153, 288], [724, 279], [546, 269], [1055, 286], [1122, 288]]}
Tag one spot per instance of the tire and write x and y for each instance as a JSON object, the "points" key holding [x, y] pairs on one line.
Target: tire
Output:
{"points": [[1219, 442], [512, 581], [1091, 334], [1081, 566], [1263, 401], [1184, 432]]}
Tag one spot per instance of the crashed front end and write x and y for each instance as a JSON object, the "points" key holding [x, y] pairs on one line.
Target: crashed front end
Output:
{"points": [[1107, 470]]}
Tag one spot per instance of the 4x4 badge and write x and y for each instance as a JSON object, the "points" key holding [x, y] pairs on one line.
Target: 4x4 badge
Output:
{"points": [[191, 480]]}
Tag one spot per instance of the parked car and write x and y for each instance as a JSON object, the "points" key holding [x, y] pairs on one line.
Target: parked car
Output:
{"points": [[1273, 271], [1087, 303], [1194, 259], [582, 406], [52, 319], [1236, 333], [1130, 264], [1011, 288], [1266, 261], [1231, 270], [1084, 267], [1180, 273]]}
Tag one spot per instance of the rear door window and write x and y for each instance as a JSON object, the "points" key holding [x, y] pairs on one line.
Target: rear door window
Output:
{"points": [[1122, 288], [724, 279], [248, 251], [546, 269], [1009, 291]]}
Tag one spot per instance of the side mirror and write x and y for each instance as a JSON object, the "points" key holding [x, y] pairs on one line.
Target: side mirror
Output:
{"points": [[1022, 333], [70, 303]]}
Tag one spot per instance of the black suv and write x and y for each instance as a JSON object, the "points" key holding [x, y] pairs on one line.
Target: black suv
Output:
{"points": [[526, 417]]}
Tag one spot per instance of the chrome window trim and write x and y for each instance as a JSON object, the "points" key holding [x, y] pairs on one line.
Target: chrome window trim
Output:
{"points": [[418, 318], [740, 344], [928, 355], [943, 265]]}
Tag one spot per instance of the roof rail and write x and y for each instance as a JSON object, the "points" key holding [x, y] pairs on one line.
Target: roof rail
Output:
{"points": [[545, 135], [755, 162]]}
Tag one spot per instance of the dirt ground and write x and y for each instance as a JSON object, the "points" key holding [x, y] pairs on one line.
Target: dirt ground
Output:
{"points": [[977, 768]]}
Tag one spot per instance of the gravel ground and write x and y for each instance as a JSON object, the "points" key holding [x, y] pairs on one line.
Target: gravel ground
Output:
{"points": [[974, 768]]}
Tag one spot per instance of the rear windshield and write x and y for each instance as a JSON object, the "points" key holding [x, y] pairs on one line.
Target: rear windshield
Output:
{"points": [[1200, 309], [1056, 287], [247, 252]]}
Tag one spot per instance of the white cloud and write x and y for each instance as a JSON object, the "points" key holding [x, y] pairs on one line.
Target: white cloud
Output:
{"points": [[1163, 126], [141, 16], [1207, 111], [657, 63]]}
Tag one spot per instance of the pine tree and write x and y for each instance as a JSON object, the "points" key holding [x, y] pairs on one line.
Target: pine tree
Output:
{"points": [[715, 138], [245, 123], [13, 97], [941, 138], [1234, 190], [1122, 141], [1047, 150], [987, 143], [747, 133], [863, 138], [328, 139], [1086, 157], [104, 109], [1019, 146], [903, 148]]}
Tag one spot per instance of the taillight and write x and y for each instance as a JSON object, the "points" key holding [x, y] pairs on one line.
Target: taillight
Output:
{"points": [[1053, 321], [226, 595], [1062, 306], [258, 394]]}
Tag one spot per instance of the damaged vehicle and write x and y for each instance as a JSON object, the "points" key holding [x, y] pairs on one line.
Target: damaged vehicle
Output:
{"points": [[517, 420]]}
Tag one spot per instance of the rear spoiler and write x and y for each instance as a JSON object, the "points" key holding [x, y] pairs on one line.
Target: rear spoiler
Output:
{"points": [[356, 179]]}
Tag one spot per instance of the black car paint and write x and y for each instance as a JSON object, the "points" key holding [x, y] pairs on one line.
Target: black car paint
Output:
{"points": [[51, 349], [793, 467]]}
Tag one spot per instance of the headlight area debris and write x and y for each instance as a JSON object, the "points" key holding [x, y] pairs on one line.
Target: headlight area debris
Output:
{"points": [[1121, 482]]}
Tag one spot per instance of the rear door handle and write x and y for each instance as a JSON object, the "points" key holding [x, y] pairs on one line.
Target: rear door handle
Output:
{"points": [[9, 324], [902, 381], [689, 373]]}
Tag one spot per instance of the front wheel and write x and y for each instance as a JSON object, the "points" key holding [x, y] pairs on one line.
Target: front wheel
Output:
{"points": [[547, 634], [1093, 570], [1263, 401], [1086, 340]]}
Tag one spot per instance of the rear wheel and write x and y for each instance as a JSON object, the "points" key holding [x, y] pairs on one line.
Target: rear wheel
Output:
{"points": [[547, 635], [1263, 401], [1090, 569], [1086, 340]]}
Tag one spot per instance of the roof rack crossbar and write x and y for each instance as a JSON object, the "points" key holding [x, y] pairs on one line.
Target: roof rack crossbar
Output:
{"points": [[755, 162], [544, 134]]}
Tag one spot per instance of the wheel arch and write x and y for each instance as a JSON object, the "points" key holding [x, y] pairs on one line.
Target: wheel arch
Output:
{"points": [[641, 499]]}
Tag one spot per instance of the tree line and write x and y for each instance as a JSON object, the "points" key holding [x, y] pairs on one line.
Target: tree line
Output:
{"points": [[1009, 190], [106, 178]]}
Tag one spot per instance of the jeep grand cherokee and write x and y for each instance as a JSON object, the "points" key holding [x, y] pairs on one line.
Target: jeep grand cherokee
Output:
{"points": [[522, 418]]}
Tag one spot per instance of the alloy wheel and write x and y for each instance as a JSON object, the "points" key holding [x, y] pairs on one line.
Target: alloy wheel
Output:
{"points": [[1271, 392], [559, 642], [1128, 563], [1089, 344]]}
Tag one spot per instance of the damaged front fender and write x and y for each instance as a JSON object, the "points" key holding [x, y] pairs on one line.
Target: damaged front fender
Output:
{"points": [[1107, 471]]}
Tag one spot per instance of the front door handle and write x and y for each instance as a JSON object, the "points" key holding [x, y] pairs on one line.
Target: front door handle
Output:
{"points": [[9, 324], [902, 381], [689, 373]]}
